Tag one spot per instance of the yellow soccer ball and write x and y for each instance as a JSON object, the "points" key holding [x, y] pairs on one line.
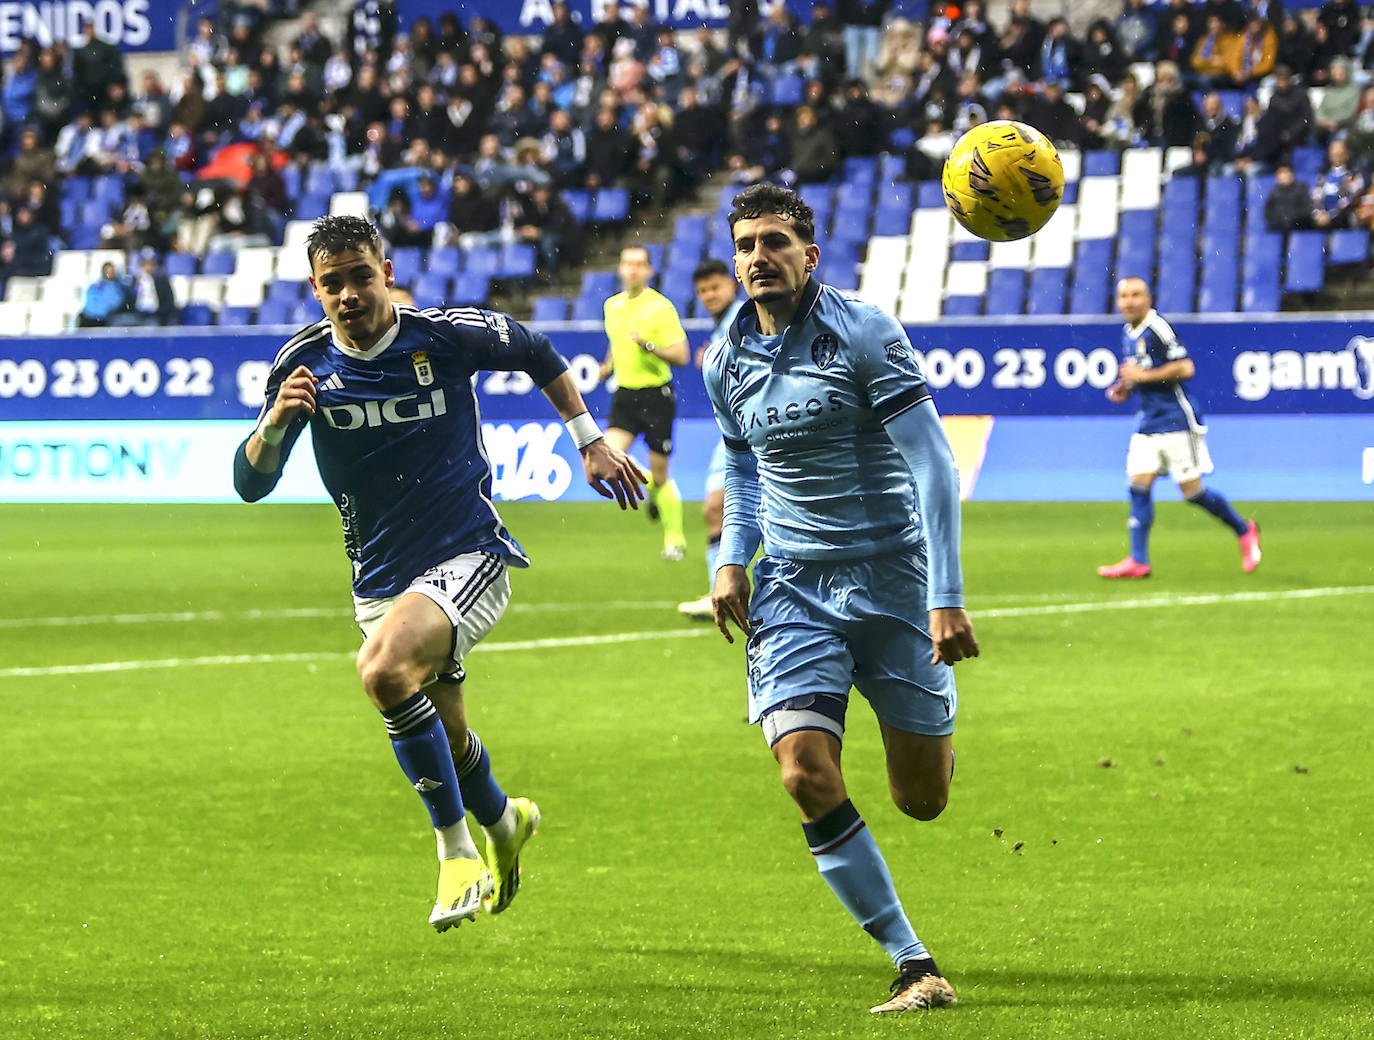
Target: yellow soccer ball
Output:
{"points": [[1003, 180]]}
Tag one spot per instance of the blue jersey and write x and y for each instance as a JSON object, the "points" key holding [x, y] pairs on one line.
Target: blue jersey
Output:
{"points": [[397, 437], [1164, 407], [811, 404]]}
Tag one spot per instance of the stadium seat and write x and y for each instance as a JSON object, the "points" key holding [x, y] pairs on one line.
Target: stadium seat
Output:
{"points": [[589, 308], [348, 204], [1220, 284], [1015, 254], [50, 321], [963, 306], [860, 169], [611, 206], [208, 289], [599, 284], [446, 261], [471, 288], [892, 168], [1053, 245], [20, 290], [930, 195], [276, 312], [259, 262], [550, 308], [291, 177], [1306, 269], [1101, 162], [579, 203], [1348, 247], [786, 91], [197, 314], [1092, 267], [484, 261], [1260, 282], [516, 261], [1181, 197], [1140, 178], [218, 263], [235, 316], [1072, 161], [432, 289], [76, 188], [1176, 282], [920, 300], [181, 263], [408, 261], [69, 212], [1006, 291], [241, 291], [319, 180], [1097, 206], [311, 206], [1047, 286], [1307, 163], [978, 250]]}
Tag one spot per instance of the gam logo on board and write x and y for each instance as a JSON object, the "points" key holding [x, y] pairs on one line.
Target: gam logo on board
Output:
{"points": [[1258, 373]]}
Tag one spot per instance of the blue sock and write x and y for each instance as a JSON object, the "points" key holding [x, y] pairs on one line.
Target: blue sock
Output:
{"points": [[849, 861], [482, 795], [1142, 517], [712, 550], [421, 746], [1216, 504]]}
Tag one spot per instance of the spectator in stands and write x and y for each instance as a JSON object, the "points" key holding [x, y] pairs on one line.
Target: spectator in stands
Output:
{"points": [[863, 34], [268, 201], [1341, 21], [1121, 129], [608, 150], [697, 133], [1288, 206], [1201, 165], [428, 207], [1055, 117], [1020, 43], [900, 53], [373, 27], [117, 151], [34, 161], [149, 295], [96, 64], [822, 45], [1136, 30], [767, 154], [563, 37], [1058, 54], [1165, 112], [103, 299], [52, 94], [397, 223], [815, 152], [474, 218], [1095, 118], [1255, 53], [21, 82], [1340, 101], [1178, 41], [29, 250], [1214, 54], [1325, 50], [969, 55], [133, 228], [162, 192], [1101, 55], [1291, 109], [1222, 132], [1259, 144], [1336, 195], [971, 107], [564, 149], [1296, 46], [1359, 138], [858, 122], [543, 219]]}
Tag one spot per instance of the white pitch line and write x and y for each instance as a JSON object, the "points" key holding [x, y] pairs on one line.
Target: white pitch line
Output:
{"points": [[1193, 600]]}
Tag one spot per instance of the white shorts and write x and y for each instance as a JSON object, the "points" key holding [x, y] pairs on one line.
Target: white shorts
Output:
{"points": [[1180, 453], [472, 589]]}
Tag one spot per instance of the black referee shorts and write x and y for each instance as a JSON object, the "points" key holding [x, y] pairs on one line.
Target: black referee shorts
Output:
{"points": [[647, 412]]}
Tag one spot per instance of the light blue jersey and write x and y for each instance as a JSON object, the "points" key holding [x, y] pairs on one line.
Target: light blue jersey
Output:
{"points": [[811, 405], [715, 470]]}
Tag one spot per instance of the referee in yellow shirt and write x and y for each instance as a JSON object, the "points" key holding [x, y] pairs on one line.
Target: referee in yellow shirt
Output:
{"points": [[645, 340]]}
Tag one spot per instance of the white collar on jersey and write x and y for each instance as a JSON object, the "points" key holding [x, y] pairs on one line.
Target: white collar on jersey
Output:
{"points": [[388, 338]]}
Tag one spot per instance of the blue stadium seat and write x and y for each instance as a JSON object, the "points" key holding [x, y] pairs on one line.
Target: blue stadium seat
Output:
{"points": [[896, 195], [447, 261], [1101, 163], [589, 308], [235, 316], [78, 188], [319, 180], [221, 262], [892, 168], [518, 261], [1070, 196], [1260, 284], [1006, 291], [853, 195], [1178, 236], [85, 236], [860, 169], [580, 203], [408, 261], [197, 314], [311, 206], [110, 188], [550, 308], [1306, 268], [1137, 225], [969, 250], [611, 206], [599, 284], [963, 306], [1348, 247], [1307, 163], [182, 263], [787, 91], [676, 284], [1219, 241], [291, 177], [92, 213], [1220, 284], [346, 178], [656, 250], [276, 312], [1257, 189], [284, 291], [1181, 195], [930, 195], [901, 138], [1176, 283], [432, 289], [1092, 268], [69, 212], [1222, 205], [1047, 287], [483, 261], [471, 288]]}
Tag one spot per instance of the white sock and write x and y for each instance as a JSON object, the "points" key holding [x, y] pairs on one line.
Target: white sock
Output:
{"points": [[455, 842], [503, 830]]}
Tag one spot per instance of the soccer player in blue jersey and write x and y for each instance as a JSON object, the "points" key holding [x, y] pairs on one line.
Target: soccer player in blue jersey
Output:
{"points": [[715, 288], [833, 443], [386, 391], [1171, 438]]}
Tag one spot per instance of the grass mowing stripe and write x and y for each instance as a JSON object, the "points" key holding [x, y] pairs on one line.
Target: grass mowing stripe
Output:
{"points": [[632, 637]]}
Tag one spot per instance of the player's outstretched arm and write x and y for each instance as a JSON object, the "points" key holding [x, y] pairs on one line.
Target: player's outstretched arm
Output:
{"points": [[730, 599], [296, 397], [610, 472]]}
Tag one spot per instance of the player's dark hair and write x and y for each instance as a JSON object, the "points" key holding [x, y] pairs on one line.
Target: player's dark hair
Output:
{"points": [[759, 199], [331, 235], [707, 268]]}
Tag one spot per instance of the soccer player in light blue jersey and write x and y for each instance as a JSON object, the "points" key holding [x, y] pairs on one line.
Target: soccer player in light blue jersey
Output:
{"points": [[716, 291], [1171, 437], [387, 393], [833, 442]]}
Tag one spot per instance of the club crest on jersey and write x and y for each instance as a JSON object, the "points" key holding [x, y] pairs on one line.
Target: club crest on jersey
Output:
{"points": [[823, 349], [424, 372]]}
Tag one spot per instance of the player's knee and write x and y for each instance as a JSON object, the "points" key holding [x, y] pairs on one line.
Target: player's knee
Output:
{"points": [[920, 802], [815, 786], [384, 681]]}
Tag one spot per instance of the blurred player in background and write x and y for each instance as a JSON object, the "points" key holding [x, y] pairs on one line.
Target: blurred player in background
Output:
{"points": [[645, 339], [387, 393], [1171, 438], [833, 440], [715, 288]]}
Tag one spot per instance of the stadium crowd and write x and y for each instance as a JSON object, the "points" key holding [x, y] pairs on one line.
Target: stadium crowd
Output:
{"points": [[462, 135]]}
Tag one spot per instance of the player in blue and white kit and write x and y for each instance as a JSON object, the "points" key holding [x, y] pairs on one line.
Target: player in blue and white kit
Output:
{"points": [[386, 391], [1171, 437], [715, 288], [833, 442]]}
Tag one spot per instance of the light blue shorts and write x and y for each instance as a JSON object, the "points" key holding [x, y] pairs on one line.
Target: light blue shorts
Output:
{"points": [[715, 470], [819, 628]]}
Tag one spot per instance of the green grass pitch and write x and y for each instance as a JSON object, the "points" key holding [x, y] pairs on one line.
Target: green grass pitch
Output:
{"points": [[1160, 825]]}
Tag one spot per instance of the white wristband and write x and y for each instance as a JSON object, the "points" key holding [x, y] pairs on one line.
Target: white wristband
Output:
{"points": [[583, 429], [271, 434]]}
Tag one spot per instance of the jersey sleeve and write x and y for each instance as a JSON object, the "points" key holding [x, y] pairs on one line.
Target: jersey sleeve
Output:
{"points": [[1164, 344], [252, 484], [886, 367], [740, 535], [497, 342]]}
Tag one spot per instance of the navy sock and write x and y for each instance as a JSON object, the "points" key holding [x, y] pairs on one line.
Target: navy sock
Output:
{"points": [[849, 861], [1142, 517], [1216, 504], [481, 793], [421, 746]]}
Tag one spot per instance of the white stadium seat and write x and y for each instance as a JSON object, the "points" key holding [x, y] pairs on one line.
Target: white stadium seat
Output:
{"points": [[51, 321], [1052, 246], [256, 262], [14, 317], [207, 289], [348, 204], [71, 265], [21, 289], [1097, 207], [243, 290], [966, 278], [1015, 254], [1072, 160], [1180, 155], [1140, 169]]}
